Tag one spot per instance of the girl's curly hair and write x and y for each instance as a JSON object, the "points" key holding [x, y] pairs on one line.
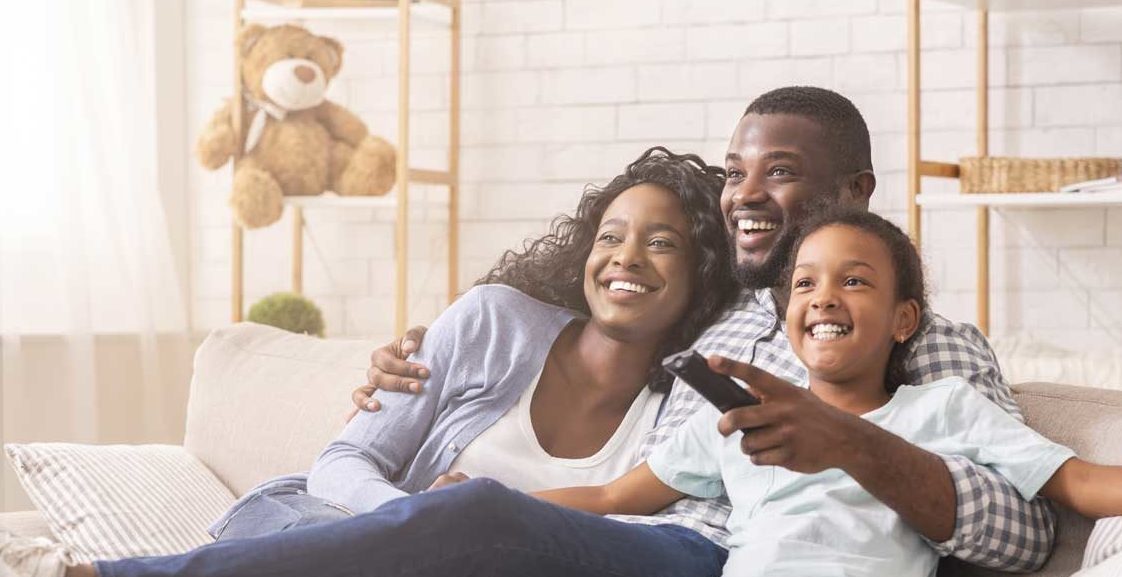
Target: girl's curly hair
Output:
{"points": [[551, 268]]}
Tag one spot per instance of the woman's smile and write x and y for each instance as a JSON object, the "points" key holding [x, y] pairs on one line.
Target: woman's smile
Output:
{"points": [[638, 277]]}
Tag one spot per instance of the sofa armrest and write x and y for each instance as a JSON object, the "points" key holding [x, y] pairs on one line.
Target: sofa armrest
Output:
{"points": [[26, 524]]}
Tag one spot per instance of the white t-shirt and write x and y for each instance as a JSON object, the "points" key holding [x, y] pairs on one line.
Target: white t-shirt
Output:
{"points": [[826, 524], [509, 449]]}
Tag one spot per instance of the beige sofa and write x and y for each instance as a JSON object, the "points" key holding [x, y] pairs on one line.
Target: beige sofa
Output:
{"points": [[264, 402]]}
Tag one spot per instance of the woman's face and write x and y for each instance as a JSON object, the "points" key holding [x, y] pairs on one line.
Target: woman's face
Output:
{"points": [[843, 318], [637, 277]]}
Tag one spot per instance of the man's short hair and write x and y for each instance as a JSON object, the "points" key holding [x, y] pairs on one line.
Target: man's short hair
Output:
{"points": [[833, 112]]}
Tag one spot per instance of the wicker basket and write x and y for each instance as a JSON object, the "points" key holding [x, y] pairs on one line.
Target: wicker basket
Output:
{"points": [[989, 174]]}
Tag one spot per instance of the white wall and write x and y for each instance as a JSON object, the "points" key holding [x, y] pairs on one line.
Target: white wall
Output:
{"points": [[558, 93]]}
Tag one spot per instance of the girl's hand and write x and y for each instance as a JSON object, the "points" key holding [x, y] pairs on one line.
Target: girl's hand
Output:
{"points": [[448, 479]]}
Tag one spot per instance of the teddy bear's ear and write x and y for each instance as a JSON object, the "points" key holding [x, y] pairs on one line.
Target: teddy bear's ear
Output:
{"points": [[249, 36], [336, 51]]}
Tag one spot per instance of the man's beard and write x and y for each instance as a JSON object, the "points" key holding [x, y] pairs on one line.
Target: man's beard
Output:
{"points": [[754, 276], [766, 274]]}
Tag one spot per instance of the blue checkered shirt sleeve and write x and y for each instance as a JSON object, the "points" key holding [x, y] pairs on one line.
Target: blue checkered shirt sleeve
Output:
{"points": [[994, 526]]}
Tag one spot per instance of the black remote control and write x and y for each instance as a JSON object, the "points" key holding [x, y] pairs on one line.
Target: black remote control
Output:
{"points": [[718, 389]]}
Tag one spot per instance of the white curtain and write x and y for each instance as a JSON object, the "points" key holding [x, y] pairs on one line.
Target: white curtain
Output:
{"points": [[84, 248]]}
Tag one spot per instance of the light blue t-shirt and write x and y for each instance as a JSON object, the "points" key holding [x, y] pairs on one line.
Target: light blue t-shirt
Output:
{"points": [[826, 524]]}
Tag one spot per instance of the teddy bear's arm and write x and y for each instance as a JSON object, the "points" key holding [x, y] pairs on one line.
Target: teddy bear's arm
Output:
{"points": [[217, 142], [342, 123]]}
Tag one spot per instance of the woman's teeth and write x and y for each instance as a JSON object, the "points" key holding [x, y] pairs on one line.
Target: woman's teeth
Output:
{"points": [[750, 225], [619, 285], [828, 332]]}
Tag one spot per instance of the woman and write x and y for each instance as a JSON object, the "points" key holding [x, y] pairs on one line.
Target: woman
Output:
{"points": [[548, 381]]}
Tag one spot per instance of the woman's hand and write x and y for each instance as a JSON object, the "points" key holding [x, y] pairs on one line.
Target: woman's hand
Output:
{"points": [[389, 371], [448, 479]]}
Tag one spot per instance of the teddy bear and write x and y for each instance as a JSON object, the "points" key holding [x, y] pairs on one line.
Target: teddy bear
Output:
{"points": [[297, 142]]}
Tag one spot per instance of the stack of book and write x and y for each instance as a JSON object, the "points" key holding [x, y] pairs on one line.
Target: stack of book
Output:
{"points": [[1112, 184]]}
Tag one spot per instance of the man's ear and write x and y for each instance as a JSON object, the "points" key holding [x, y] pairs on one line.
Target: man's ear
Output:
{"points": [[856, 188], [249, 36], [908, 315]]}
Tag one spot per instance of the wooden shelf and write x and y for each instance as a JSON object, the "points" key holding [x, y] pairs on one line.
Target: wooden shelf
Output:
{"points": [[332, 201], [1014, 5], [1021, 200], [381, 16], [435, 14]]}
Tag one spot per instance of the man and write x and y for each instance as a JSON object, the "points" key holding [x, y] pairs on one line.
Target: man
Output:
{"points": [[793, 149]]}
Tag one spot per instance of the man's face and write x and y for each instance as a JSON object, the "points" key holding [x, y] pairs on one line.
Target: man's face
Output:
{"points": [[778, 166]]}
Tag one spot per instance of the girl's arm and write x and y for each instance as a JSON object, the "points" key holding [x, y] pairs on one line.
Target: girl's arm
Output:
{"points": [[639, 492], [1091, 490]]}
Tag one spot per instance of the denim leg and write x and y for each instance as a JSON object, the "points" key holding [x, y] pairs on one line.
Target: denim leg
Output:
{"points": [[279, 510], [474, 528]]}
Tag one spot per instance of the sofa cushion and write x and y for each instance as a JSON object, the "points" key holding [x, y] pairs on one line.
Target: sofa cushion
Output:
{"points": [[265, 402], [114, 501], [1105, 541]]}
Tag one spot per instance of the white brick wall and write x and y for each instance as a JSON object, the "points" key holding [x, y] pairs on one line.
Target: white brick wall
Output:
{"points": [[558, 93]]}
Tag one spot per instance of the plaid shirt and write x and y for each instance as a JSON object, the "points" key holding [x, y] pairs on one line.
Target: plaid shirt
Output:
{"points": [[994, 526]]}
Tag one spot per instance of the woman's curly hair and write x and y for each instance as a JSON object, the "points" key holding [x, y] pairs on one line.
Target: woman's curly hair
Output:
{"points": [[551, 268]]}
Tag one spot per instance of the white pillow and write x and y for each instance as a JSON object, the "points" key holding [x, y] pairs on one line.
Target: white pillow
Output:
{"points": [[1105, 541], [114, 501]]}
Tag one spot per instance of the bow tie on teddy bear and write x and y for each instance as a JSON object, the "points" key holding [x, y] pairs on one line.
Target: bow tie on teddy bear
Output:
{"points": [[297, 142]]}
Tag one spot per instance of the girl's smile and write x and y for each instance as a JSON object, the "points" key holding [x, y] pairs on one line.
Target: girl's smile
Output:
{"points": [[843, 317]]}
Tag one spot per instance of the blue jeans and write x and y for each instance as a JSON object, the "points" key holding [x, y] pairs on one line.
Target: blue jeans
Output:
{"points": [[275, 510], [474, 528]]}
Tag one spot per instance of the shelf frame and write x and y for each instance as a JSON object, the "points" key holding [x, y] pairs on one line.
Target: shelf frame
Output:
{"points": [[403, 10], [919, 168], [983, 203]]}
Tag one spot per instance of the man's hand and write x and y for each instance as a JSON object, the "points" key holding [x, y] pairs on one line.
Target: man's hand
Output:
{"points": [[448, 479], [800, 432], [389, 371], [792, 428]]}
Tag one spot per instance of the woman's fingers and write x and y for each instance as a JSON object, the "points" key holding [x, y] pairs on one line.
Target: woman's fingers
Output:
{"points": [[448, 479]]}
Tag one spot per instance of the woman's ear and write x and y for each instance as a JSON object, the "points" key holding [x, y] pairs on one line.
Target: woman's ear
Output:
{"points": [[908, 316]]}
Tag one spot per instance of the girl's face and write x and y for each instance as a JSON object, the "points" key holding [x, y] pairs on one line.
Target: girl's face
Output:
{"points": [[843, 317], [637, 277]]}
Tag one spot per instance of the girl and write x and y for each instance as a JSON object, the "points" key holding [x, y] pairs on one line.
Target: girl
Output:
{"points": [[856, 299]]}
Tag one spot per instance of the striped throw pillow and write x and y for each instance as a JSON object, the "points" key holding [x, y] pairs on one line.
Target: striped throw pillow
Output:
{"points": [[1105, 541], [114, 501]]}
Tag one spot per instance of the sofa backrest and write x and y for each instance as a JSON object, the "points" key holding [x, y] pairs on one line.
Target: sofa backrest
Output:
{"points": [[264, 402], [1088, 420]]}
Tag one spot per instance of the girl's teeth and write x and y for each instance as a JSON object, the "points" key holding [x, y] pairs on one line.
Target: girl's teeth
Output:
{"points": [[619, 285], [828, 332], [748, 224]]}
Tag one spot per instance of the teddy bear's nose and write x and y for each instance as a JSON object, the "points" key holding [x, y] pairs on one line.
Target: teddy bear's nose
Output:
{"points": [[305, 73]]}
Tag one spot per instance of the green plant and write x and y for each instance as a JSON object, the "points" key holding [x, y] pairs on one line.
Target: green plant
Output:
{"points": [[288, 311]]}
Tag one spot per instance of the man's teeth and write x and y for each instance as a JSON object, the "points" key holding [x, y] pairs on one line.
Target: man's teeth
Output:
{"points": [[747, 224], [619, 285], [828, 332]]}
